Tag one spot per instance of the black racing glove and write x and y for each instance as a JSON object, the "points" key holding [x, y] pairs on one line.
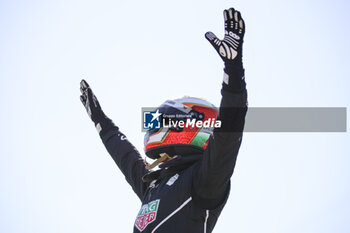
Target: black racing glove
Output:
{"points": [[93, 108], [230, 50]]}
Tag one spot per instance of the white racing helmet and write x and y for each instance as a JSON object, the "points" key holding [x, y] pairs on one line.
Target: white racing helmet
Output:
{"points": [[176, 138]]}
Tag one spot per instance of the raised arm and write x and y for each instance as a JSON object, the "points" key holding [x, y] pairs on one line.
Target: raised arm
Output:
{"points": [[212, 181], [121, 150]]}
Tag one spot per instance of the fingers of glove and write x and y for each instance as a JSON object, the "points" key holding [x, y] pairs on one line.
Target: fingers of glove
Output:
{"points": [[90, 97], [226, 15], [237, 23], [232, 19], [214, 41], [241, 26], [93, 100], [83, 99], [238, 16], [241, 23], [231, 12], [83, 86]]}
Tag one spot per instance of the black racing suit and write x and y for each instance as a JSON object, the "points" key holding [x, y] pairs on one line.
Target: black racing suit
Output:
{"points": [[188, 193]]}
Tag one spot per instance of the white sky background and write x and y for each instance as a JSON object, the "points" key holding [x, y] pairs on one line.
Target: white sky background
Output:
{"points": [[55, 174]]}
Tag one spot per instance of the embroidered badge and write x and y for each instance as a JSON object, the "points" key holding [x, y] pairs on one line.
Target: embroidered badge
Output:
{"points": [[172, 179], [147, 214]]}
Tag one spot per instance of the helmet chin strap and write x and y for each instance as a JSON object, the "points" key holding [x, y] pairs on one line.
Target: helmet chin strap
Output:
{"points": [[162, 158]]}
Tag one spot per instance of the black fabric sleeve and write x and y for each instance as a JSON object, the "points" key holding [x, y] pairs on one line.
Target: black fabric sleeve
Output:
{"points": [[127, 158], [212, 179]]}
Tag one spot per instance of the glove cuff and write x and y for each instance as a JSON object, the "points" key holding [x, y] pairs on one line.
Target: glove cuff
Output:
{"points": [[103, 125], [233, 77]]}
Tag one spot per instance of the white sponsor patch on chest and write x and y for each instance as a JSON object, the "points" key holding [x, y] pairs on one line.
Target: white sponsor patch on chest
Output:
{"points": [[172, 180]]}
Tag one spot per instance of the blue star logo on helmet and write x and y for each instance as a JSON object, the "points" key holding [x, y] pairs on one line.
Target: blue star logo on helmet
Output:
{"points": [[152, 119]]}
